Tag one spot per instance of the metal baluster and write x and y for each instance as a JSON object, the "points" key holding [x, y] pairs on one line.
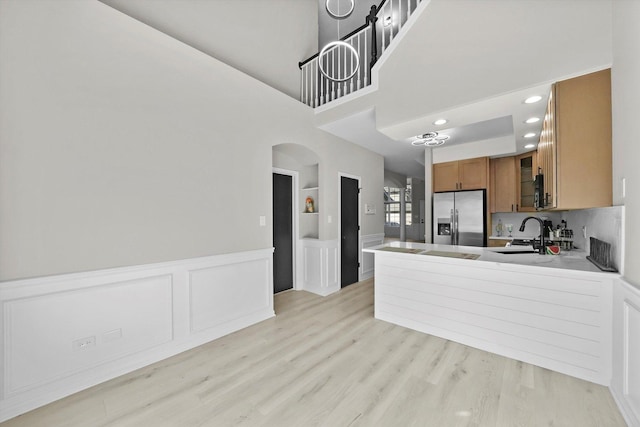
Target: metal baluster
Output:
{"points": [[344, 85], [383, 31], [399, 14], [359, 68], [310, 88], [305, 85], [315, 88], [365, 64], [323, 91], [333, 63], [391, 26], [351, 80]]}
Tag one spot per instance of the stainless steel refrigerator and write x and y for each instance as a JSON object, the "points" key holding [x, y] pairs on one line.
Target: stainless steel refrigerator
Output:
{"points": [[459, 218]]}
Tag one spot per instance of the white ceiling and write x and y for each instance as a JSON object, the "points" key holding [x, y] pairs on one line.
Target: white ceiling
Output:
{"points": [[477, 123]]}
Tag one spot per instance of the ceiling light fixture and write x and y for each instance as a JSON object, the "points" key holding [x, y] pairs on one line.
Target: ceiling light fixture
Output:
{"points": [[334, 47], [387, 21], [529, 135], [430, 139], [337, 15], [337, 45], [433, 143], [532, 99], [532, 120], [530, 146], [440, 122]]}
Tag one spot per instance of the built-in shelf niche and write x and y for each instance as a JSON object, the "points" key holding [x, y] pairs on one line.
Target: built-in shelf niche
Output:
{"points": [[309, 221]]}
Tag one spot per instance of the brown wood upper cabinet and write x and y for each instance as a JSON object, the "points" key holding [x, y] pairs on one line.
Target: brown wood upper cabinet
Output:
{"points": [[575, 145], [469, 174], [503, 184], [511, 183]]}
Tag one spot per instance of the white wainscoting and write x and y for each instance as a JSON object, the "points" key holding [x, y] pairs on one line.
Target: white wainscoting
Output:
{"points": [[557, 319], [65, 333], [367, 259], [320, 266], [625, 384]]}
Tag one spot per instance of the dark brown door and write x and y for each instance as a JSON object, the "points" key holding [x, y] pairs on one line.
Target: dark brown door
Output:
{"points": [[349, 231], [282, 232]]}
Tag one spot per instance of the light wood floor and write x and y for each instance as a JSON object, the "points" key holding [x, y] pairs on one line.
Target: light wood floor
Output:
{"points": [[328, 362]]}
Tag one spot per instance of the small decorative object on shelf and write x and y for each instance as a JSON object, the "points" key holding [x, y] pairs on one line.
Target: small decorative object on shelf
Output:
{"points": [[309, 208], [509, 229]]}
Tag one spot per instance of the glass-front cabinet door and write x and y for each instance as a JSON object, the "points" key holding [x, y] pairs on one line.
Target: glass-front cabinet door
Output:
{"points": [[526, 169]]}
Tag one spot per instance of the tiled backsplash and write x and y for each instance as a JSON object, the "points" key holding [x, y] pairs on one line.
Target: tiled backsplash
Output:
{"points": [[606, 224]]}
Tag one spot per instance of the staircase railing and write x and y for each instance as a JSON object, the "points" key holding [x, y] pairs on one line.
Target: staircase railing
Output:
{"points": [[381, 26]]}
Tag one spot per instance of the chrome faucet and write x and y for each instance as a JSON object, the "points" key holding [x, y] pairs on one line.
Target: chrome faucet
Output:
{"points": [[542, 250]]}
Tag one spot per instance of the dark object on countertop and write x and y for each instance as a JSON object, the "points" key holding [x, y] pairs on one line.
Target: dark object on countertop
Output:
{"points": [[600, 254], [542, 250]]}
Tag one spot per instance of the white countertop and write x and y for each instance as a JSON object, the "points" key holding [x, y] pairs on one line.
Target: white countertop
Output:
{"points": [[569, 260]]}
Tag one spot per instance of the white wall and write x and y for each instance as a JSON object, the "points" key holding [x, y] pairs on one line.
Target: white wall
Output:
{"points": [[265, 39], [626, 110], [328, 26], [121, 146]]}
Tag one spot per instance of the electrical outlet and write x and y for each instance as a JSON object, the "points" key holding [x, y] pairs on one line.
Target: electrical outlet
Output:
{"points": [[263, 221], [83, 343], [329, 219]]}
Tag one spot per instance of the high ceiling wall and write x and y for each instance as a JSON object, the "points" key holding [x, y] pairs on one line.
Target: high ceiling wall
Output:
{"points": [[264, 39]]}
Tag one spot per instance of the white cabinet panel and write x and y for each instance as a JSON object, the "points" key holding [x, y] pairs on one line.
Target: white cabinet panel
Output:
{"points": [[53, 335], [625, 382]]}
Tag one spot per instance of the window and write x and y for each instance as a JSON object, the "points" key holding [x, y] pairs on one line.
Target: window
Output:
{"points": [[392, 206]]}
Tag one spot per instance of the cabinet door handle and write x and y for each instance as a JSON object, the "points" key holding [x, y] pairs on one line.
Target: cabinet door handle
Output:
{"points": [[517, 207], [511, 207]]}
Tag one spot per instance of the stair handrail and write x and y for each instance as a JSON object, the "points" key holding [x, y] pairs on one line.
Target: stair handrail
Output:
{"points": [[370, 20], [384, 20]]}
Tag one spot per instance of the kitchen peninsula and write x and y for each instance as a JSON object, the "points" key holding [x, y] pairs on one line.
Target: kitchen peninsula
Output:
{"points": [[551, 311]]}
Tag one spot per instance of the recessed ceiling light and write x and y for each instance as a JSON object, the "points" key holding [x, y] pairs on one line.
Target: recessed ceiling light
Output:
{"points": [[532, 120], [530, 146], [532, 99], [440, 122], [529, 135]]}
